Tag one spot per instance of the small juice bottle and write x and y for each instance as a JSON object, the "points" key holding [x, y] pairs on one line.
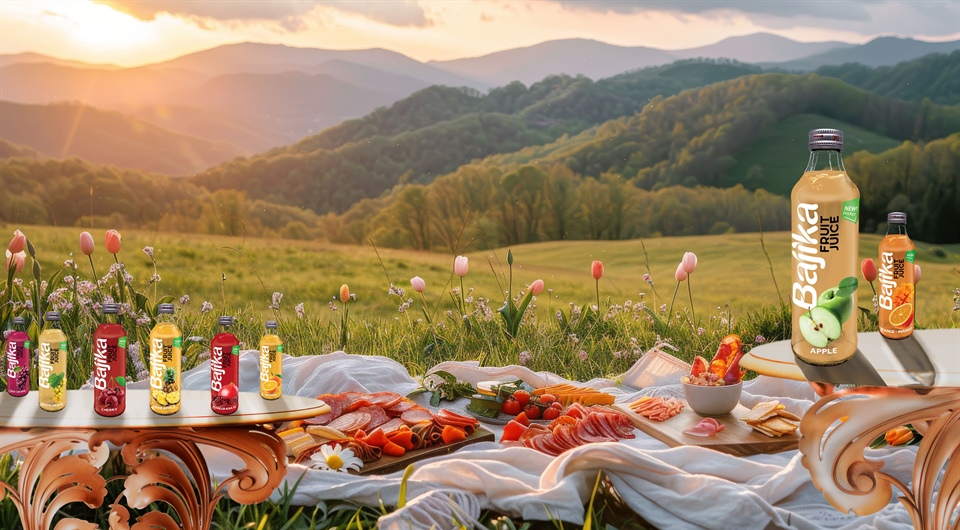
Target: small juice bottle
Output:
{"points": [[825, 239], [109, 365], [224, 369], [165, 344], [895, 273], [52, 373], [18, 360], [271, 373]]}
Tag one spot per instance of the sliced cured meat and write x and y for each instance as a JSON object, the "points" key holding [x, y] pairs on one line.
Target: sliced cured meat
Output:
{"points": [[446, 417], [401, 406], [417, 415], [350, 422], [392, 426], [335, 402], [585, 433], [377, 417], [384, 400], [704, 428]]}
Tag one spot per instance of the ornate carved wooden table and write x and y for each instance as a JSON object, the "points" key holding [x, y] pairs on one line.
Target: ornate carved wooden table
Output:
{"points": [[917, 383], [63, 452]]}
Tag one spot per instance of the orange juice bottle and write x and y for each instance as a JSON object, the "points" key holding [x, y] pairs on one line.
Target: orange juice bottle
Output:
{"points": [[271, 351], [166, 342], [895, 274]]}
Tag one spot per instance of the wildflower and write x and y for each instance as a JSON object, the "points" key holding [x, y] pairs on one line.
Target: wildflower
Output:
{"points": [[759, 339], [17, 243], [663, 308], [536, 287], [701, 331], [647, 278], [194, 338], [206, 307], [153, 279], [418, 284], [583, 355], [332, 306], [300, 311], [344, 293], [394, 290], [143, 319], [689, 262], [149, 252], [16, 260], [275, 299], [203, 356], [185, 299], [524, 358], [335, 458], [460, 266], [68, 264], [112, 241]]}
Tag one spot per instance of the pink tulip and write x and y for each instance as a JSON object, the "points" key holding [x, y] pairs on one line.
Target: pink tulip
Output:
{"points": [[344, 293], [86, 243], [460, 266], [681, 274], [17, 259], [418, 284], [869, 269], [597, 269], [916, 274], [536, 287], [689, 263], [113, 241], [18, 242]]}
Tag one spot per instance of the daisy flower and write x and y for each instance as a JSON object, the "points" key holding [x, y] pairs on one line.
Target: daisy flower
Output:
{"points": [[336, 459]]}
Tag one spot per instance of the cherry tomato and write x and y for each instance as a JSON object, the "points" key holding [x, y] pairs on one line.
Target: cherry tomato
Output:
{"points": [[532, 411], [547, 399], [551, 413], [557, 405], [522, 396], [510, 407]]}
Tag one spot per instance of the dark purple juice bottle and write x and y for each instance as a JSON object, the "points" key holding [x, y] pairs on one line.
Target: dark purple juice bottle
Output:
{"points": [[224, 369], [109, 365], [17, 350]]}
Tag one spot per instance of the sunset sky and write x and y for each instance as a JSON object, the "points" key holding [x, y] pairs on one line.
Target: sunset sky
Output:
{"points": [[128, 33]]}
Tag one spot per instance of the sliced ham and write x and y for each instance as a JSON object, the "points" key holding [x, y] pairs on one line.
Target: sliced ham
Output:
{"points": [[704, 428], [351, 422], [417, 415]]}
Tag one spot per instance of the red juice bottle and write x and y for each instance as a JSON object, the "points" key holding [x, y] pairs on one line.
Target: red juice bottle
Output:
{"points": [[109, 365], [17, 352], [224, 369]]}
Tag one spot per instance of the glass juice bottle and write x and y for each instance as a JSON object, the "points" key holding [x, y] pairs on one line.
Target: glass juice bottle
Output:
{"points": [[825, 215], [109, 365], [895, 274], [224, 369], [52, 364], [166, 342], [17, 350], [271, 372]]}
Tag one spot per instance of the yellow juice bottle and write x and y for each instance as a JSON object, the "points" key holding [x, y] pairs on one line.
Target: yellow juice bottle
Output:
{"points": [[825, 239], [895, 297], [165, 351], [271, 373], [52, 365]]}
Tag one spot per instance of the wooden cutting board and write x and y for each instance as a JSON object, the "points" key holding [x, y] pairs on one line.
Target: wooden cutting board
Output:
{"points": [[390, 464], [737, 438]]}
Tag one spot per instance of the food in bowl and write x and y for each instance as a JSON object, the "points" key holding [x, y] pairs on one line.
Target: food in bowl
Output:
{"points": [[715, 400]]}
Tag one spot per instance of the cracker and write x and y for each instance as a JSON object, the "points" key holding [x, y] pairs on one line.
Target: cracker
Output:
{"points": [[784, 414], [760, 412]]}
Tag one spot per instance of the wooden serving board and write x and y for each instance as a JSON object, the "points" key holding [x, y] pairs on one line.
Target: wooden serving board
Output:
{"points": [[737, 438], [390, 464]]}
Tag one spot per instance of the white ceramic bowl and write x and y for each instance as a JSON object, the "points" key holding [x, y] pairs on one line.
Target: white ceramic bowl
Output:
{"points": [[712, 400]]}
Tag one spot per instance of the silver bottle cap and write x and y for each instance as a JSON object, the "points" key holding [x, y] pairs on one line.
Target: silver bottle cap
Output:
{"points": [[825, 139], [899, 218]]}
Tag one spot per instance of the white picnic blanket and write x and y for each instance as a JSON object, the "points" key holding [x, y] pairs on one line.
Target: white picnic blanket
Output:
{"points": [[676, 488]]}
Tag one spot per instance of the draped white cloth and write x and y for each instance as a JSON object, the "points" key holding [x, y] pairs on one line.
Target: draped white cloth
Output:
{"points": [[676, 488]]}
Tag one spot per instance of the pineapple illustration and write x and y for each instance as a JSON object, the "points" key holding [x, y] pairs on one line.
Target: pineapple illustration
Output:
{"points": [[169, 380]]}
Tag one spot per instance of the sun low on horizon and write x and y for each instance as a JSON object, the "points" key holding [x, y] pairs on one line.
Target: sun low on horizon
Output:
{"points": [[128, 33]]}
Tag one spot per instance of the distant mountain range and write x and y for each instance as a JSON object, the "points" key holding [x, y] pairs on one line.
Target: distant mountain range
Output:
{"points": [[246, 98]]}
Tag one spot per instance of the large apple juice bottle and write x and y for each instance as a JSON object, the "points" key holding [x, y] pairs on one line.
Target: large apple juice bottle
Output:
{"points": [[224, 369], [825, 215], [17, 350], [52, 364], [896, 296], [271, 371], [109, 365], [166, 342]]}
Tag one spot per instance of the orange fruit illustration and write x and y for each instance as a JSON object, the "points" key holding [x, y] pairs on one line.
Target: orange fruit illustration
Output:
{"points": [[902, 315], [269, 386]]}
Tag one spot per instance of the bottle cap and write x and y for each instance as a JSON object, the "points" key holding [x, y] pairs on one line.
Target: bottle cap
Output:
{"points": [[225, 320], [111, 309], [19, 321], [899, 218], [271, 324], [52, 316], [825, 139], [165, 309]]}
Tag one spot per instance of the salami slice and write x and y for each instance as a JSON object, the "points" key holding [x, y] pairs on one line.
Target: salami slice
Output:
{"points": [[336, 409], [377, 417], [401, 406], [350, 422], [392, 426], [384, 400], [417, 415]]}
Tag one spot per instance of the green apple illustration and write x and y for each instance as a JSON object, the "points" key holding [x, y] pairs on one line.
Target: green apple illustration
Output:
{"points": [[841, 306], [820, 326]]}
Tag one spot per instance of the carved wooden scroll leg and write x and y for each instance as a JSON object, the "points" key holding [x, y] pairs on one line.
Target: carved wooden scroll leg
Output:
{"points": [[849, 481], [49, 476]]}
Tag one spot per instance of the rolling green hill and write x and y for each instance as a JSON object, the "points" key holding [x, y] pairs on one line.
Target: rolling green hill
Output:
{"points": [[935, 77], [65, 130]]}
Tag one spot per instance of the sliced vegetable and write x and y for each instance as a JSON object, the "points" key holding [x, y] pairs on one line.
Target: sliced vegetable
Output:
{"points": [[451, 434], [512, 431], [392, 449]]}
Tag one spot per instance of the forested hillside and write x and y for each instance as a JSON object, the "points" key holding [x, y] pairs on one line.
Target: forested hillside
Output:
{"points": [[935, 77]]}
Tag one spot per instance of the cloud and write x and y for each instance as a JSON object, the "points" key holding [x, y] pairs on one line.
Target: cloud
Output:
{"points": [[288, 13]]}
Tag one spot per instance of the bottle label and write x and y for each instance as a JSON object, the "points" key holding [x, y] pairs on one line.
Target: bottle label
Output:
{"points": [[18, 367], [895, 296], [165, 358], [270, 376], [851, 210], [109, 368], [224, 375], [909, 255]]}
